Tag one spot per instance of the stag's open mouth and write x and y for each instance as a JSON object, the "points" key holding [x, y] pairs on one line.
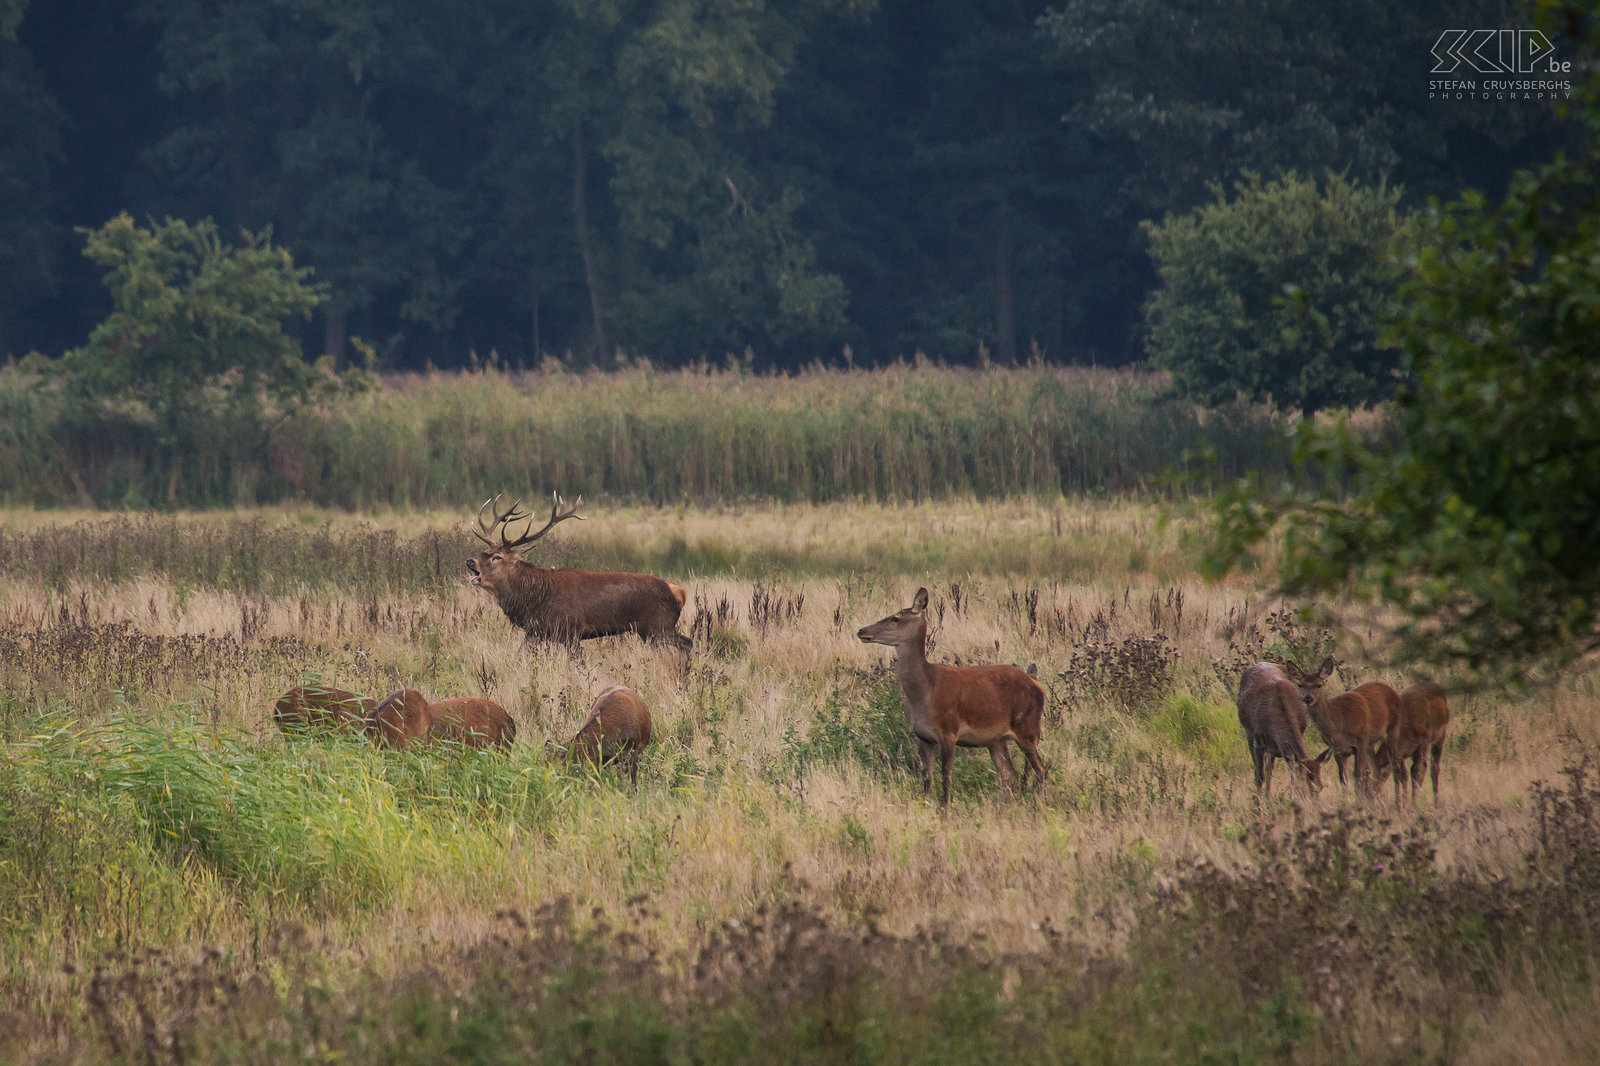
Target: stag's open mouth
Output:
{"points": [[472, 572]]}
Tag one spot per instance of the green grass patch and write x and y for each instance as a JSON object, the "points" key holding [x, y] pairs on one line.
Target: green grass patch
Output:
{"points": [[1207, 732]]}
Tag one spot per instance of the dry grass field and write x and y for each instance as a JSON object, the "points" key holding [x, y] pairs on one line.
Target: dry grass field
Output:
{"points": [[182, 882]]}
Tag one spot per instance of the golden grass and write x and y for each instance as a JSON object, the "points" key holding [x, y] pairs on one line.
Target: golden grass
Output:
{"points": [[721, 824]]}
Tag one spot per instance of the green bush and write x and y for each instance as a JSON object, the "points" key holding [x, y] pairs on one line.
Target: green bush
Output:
{"points": [[1278, 293]]}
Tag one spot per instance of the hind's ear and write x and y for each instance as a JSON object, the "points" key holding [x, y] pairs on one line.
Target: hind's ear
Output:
{"points": [[1327, 667], [920, 602], [1292, 668], [1320, 759]]}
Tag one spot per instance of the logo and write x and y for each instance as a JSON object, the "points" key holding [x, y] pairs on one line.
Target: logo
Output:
{"points": [[1496, 52]]}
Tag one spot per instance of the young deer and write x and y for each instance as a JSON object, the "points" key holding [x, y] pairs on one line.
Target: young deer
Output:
{"points": [[1354, 721], [618, 725], [1417, 731], [406, 717], [973, 706], [1274, 722], [318, 709]]}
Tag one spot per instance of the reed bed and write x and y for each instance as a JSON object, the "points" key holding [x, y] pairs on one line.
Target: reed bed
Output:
{"points": [[698, 435], [187, 885]]}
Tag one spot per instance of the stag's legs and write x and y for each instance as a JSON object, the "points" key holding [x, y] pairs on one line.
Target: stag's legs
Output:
{"points": [[1000, 752], [672, 639]]}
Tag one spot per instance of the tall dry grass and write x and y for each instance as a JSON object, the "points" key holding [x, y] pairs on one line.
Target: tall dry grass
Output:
{"points": [[698, 434], [148, 802]]}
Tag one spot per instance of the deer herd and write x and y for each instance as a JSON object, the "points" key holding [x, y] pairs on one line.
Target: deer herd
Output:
{"points": [[945, 707]]}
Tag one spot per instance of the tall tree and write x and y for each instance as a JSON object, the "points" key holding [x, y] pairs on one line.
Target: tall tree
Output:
{"points": [[30, 147], [287, 127], [1182, 96]]}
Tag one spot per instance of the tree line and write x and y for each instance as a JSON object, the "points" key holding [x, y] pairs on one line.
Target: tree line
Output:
{"points": [[843, 180]]}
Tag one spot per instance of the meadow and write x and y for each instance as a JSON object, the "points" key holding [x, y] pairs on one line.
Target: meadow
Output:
{"points": [[181, 883]]}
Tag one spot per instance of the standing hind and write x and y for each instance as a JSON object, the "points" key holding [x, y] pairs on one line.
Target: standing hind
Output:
{"points": [[966, 706]]}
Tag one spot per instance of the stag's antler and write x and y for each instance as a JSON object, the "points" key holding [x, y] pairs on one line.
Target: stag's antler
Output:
{"points": [[556, 515], [501, 518], [514, 513]]}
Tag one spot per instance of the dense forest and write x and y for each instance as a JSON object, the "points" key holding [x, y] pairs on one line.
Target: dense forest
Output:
{"points": [[819, 179]]}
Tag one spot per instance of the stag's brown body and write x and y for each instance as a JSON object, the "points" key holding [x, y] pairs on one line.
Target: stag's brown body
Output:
{"points": [[1417, 731], [618, 726], [1274, 721], [1354, 721], [966, 706], [406, 718], [316, 708], [570, 605]]}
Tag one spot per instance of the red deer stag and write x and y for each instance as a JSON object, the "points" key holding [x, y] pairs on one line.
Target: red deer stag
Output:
{"points": [[973, 706], [568, 605], [319, 709], [1354, 721], [618, 725], [1417, 731], [406, 718], [1274, 722]]}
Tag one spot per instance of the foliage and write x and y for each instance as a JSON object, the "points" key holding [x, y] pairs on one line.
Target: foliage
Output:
{"points": [[873, 735], [1477, 519], [1132, 674], [1277, 293], [30, 147], [191, 314], [196, 334], [693, 178]]}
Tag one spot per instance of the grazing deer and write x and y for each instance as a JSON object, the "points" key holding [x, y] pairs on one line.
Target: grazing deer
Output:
{"points": [[406, 717], [1418, 730], [1354, 721], [1274, 722], [618, 725], [973, 706], [319, 709], [568, 605]]}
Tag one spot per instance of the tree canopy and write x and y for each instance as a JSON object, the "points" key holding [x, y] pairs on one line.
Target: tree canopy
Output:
{"points": [[1476, 515], [196, 332], [1277, 293], [685, 180]]}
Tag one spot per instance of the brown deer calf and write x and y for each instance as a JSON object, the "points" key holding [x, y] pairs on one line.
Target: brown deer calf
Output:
{"points": [[319, 709], [970, 706], [1417, 731], [1274, 722], [1354, 721], [407, 717], [618, 725]]}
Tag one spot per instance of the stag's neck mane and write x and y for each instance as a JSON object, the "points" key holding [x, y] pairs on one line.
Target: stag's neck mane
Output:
{"points": [[523, 599]]}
